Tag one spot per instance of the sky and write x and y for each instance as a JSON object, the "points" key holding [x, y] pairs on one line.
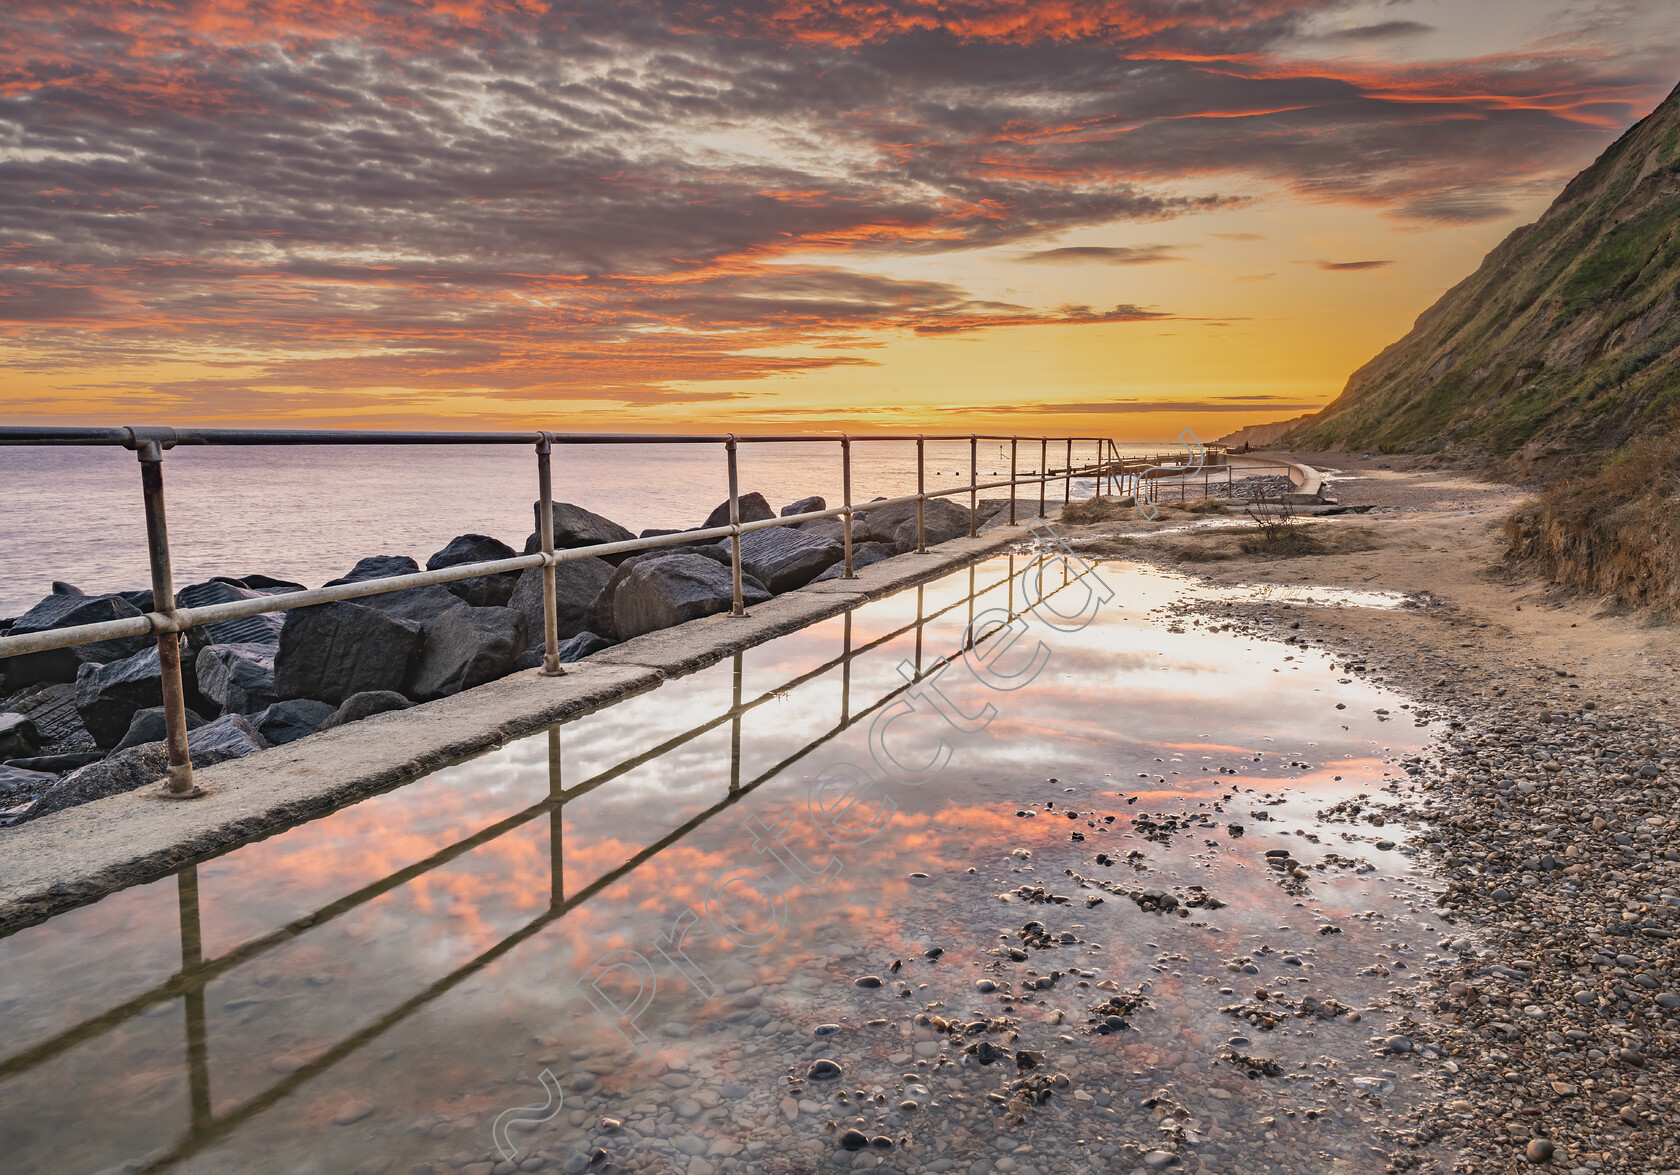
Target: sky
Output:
{"points": [[1117, 218]]}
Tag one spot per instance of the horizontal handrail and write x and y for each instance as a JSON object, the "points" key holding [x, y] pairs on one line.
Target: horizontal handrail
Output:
{"points": [[166, 621]]}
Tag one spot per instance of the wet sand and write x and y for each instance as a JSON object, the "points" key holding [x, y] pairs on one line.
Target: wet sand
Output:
{"points": [[1549, 815]]}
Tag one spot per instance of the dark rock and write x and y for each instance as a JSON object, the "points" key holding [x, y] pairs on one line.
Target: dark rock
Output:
{"points": [[823, 1069], [663, 592], [108, 695], [420, 605], [60, 588], [467, 646], [601, 619], [67, 611], [57, 764], [18, 784], [577, 585], [804, 506], [576, 527], [52, 708], [863, 555], [944, 520], [148, 726], [265, 583], [142, 600], [232, 736], [574, 648], [364, 705], [827, 528], [229, 737], [286, 722], [783, 559], [654, 532], [247, 630], [481, 591], [239, 679], [376, 567], [19, 737], [854, 1140], [330, 652], [753, 508]]}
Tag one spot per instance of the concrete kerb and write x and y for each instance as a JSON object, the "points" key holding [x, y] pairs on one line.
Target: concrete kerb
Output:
{"points": [[75, 856]]}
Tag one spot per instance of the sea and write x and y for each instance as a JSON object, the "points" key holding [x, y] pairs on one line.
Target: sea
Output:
{"points": [[307, 514]]}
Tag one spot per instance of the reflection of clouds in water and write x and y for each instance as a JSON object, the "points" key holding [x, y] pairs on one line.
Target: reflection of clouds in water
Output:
{"points": [[1116, 697]]}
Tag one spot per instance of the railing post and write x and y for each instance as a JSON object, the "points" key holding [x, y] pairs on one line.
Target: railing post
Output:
{"points": [[1096, 488], [178, 784], [1043, 470], [740, 608], [921, 498], [973, 484], [1012, 443], [846, 493], [545, 535], [1067, 486]]}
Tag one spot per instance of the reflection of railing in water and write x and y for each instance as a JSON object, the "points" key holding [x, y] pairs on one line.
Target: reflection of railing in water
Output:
{"points": [[197, 973]]}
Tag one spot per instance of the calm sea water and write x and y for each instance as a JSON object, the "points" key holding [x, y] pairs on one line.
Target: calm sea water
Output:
{"points": [[307, 514]]}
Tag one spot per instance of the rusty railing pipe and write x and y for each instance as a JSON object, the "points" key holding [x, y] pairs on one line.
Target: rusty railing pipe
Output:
{"points": [[740, 607], [545, 535], [846, 499], [178, 781]]}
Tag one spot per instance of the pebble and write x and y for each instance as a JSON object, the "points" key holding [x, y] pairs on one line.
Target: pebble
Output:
{"points": [[823, 1069]]}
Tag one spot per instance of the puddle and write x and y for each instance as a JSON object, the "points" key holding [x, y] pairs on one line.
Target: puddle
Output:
{"points": [[1069, 924]]}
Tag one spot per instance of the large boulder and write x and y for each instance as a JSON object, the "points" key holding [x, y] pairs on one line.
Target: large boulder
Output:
{"points": [[863, 554], [467, 646], [288, 721], [376, 567], [20, 738], [783, 558], [108, 695], [577, 585], [52, 708], [753, 508], [660, 593], [944, 520], [364, 705], [18, 784], [804, 506], [828, 528], [63, 610], [601, 614], [239, 679], [150, 726], [229, 737], [262, 629], [330, 651], [576, 527], [481, 591]]}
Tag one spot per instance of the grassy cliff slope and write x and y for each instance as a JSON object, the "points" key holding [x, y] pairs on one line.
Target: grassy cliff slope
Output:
{"points": [[1561, 349]]}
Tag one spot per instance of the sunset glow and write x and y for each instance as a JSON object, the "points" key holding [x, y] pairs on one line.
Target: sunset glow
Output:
{"points": [[1118, 218]]}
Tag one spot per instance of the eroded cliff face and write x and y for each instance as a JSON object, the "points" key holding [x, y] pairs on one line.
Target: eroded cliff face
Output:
{"points": [[1561, 348]]}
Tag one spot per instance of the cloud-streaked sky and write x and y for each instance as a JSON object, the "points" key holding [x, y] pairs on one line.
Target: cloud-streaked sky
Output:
{"points": [[890, 213]]}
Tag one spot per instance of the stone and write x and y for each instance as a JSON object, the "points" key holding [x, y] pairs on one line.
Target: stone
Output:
{"points": [[577, 585], [364, 705], [20, 783], [19, 737], [66, 611], [467, 646], [482, 591], [376, 567], [288, 721], [783, 558], [750, 508], [229, 737], [823, 1069], [574, 648], [1160, 1160], [863, 555], [1540, 1150], [352, 1111], [330, 652], [108, 695], [576, 527], [148, 726], [804, 506], [660, 593], [239, 679], [58, 764], [262, 629]]}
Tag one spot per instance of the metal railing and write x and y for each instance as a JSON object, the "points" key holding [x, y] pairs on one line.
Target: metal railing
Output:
{"points": [[208, 1124], [166, 622]]}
